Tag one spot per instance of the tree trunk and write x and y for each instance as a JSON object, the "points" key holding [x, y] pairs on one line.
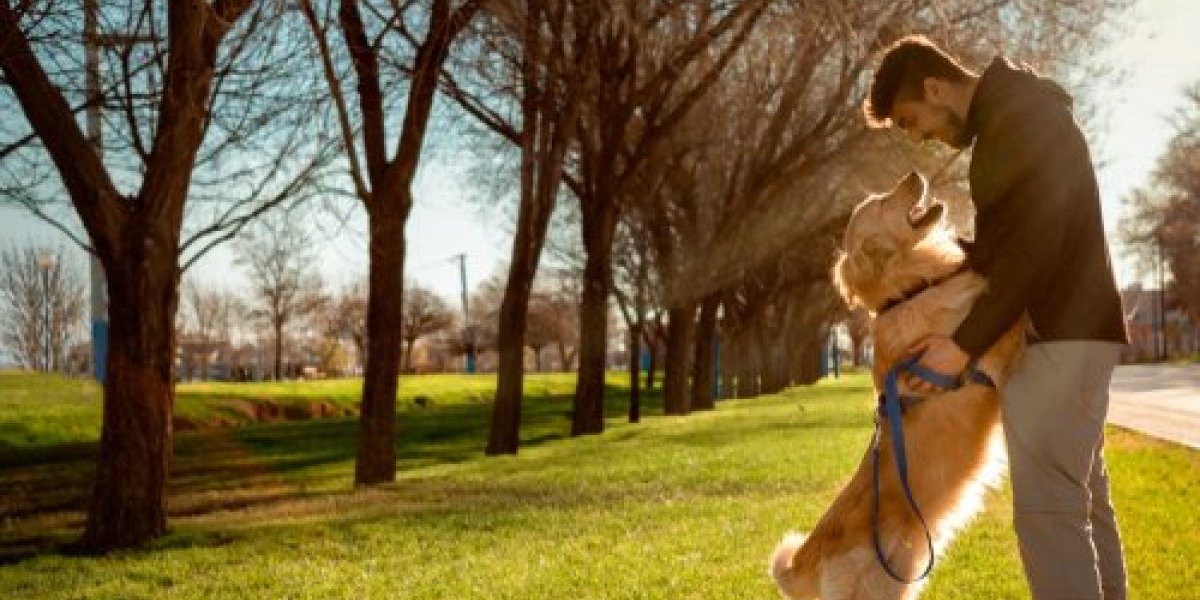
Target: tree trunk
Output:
{"points": [[772, 379], [635, 351], [599, 224], [129, 499], [747, 365], [376, 460], [808, 368], [564, 358], [408, 350], [206, 347], [542, 150], [681, 325], [278, 350], [652, 349], [704, 365], [504, 428], [730, 362]]}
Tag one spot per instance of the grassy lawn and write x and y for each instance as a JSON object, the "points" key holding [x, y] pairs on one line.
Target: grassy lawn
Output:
{"points": [[668, 508]]}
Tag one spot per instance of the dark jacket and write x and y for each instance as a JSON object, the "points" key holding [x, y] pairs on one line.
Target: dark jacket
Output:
{"points": [[1039, 239]]}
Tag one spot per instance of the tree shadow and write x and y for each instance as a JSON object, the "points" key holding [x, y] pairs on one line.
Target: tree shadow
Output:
{"points": [[44, 490]]}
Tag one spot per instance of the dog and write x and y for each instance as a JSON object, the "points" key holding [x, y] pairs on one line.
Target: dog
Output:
{"points": [[902, 263]]}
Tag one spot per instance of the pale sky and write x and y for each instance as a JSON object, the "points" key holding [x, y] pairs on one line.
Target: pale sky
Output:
{"points": [[1160, 54]]}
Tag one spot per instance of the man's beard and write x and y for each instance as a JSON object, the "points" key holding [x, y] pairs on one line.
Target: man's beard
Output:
{"points": [[956, 130]]}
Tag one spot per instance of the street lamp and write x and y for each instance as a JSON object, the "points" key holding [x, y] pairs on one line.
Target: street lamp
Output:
{"points": [[1160, 345], [45, 262]]}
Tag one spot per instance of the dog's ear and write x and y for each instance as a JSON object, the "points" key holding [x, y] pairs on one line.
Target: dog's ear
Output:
{"points": [[841, 278], [924, 218]]}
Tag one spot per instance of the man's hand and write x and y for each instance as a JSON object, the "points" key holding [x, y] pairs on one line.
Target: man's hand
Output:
{"points": [[939, 354]]}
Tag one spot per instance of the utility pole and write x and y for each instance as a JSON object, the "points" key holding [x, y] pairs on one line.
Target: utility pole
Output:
{"points": [[468, 329], [93, 41], [99, 295]]}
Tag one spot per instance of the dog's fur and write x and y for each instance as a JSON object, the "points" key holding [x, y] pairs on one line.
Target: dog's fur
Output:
{"points": [[893, 244]]}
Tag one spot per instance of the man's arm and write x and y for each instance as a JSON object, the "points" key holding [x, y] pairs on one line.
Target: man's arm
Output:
{"points": [[1040, 167]]}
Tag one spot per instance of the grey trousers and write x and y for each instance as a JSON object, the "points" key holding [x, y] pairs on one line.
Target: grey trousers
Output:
{"points": [[1054, 409]]}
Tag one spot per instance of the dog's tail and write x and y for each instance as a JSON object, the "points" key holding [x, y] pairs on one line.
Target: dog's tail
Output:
{"points": [[797, 580]]}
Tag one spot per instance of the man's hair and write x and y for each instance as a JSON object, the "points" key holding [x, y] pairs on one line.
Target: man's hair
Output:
{"points": [[901, 76]]}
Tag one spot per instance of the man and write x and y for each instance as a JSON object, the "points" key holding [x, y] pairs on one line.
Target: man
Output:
{"points": [[1039, 241]]}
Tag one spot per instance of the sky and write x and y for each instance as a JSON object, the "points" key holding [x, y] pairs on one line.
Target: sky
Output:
{"points": [[1159, 53]]}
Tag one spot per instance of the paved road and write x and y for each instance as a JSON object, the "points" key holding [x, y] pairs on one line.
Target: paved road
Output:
{"points": [[1160, 400]]}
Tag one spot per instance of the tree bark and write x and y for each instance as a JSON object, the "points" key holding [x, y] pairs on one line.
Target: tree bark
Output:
{"points": [[599, 225], [772, 365], [278, 350], [747, 365], [704, 363], [137, 241], [504, 428], [807, 368], [388, 202], [376, 459], [545, 137], [635, 368], [129, 501], [730, 361], [681, 325]]}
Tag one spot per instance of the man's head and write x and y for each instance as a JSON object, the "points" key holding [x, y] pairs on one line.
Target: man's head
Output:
{"points": [[922, 90]]}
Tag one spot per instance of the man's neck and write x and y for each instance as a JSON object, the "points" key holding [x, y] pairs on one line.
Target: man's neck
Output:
{"points": [[961, 103]]}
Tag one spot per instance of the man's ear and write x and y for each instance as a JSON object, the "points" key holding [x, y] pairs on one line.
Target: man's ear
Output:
{"points": [[935, 90]]}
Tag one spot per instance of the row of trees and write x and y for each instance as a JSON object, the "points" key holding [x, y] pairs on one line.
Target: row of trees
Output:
{"points": [[1162, 223], [42, 303], [43, 322], [702, 153]]}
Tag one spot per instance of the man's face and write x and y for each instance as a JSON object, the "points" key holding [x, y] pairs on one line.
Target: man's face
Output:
{"points": [[924, 121]]}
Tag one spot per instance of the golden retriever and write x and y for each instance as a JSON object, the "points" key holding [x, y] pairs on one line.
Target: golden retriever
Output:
{"points": [[896, 244]]}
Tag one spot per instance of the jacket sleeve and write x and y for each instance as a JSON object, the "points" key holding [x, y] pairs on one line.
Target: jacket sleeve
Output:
{"points": [[1031, 175]]}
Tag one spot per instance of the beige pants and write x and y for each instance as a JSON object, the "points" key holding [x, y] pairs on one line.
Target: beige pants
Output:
{"points": [[1054, 409]]}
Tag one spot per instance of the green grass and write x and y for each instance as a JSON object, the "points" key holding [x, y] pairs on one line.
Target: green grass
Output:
{"points": [[38, 409], [668, 508]]}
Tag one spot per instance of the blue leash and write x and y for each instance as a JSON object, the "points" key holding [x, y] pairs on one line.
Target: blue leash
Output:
{"points": [[892, 409]]}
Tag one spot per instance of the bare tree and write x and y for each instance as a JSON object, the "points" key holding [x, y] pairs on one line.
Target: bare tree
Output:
{"points": [[279, 259], [1162, 227], [41, 306], [378, 46], [346, 317], [208, 315], [651, 64], [542, 326], [537, 45], [425, 313], [173, 118], [753, 192]]}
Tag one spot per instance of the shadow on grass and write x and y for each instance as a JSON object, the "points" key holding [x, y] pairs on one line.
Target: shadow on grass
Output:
{"points": [[44, 490]]}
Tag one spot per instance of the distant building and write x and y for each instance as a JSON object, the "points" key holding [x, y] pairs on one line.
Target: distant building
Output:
{"points": [[1177, 334]]}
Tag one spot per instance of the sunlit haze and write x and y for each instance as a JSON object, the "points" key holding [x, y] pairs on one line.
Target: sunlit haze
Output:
{"points": [[1159, 53]]}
